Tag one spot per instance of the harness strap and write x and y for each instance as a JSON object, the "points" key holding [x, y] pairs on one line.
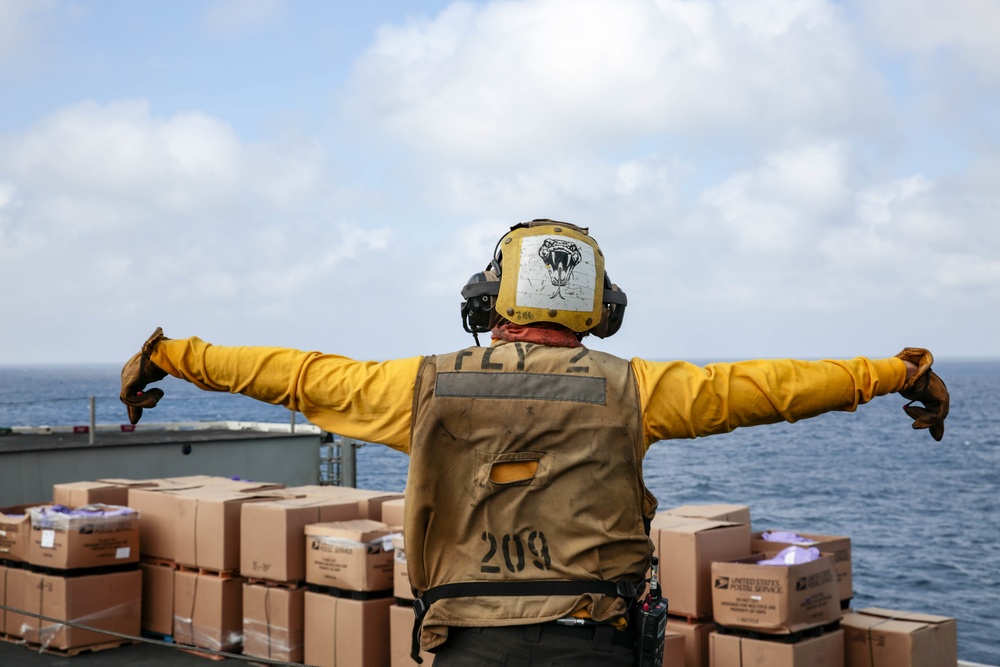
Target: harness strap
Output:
{"points": [[623, 589]]}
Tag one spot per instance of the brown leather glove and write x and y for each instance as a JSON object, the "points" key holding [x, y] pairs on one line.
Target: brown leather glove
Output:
{"points": [[925, 387], [138, 372]]}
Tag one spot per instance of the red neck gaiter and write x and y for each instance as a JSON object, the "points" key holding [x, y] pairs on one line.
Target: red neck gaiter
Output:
{"points": [[543, 333]]}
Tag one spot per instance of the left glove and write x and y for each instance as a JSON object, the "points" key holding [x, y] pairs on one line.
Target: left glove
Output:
{"points": [[927, 388], [137, 373]]}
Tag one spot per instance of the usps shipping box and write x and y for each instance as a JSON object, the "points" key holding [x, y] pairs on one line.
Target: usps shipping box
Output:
{"points": [[401, 628], [90, 536], [104, 601], [826, 650], [775, 599], [837, 545], [208, 610], [157, 598], [351, 555], [272, 534], [274, 622], [875, 636], [714, 512], [686, 548]]}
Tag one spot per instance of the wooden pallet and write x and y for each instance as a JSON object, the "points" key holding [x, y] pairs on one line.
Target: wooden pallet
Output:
{"points": [[159, 562], [270, 583], [75, 650], [194, 650], [229, 574]]}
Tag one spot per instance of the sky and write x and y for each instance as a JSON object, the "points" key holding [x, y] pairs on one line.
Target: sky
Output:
{"points": [[766, 178]]}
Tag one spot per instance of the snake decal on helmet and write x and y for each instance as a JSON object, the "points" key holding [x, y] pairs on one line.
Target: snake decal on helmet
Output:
{"points": [[545, 271]]}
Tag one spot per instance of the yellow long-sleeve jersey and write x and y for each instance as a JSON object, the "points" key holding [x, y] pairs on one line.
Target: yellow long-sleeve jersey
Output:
{"points": [[372, 401]]}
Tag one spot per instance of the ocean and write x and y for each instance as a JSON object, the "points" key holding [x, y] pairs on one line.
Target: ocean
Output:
{"points": [[923, 517]]}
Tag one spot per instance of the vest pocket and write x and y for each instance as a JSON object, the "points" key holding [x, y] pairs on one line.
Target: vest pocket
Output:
{"points": [[496, 472]]}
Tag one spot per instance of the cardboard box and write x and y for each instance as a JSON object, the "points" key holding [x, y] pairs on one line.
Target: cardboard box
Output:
{"points": [[901, 638], [90, 536], [826, 650], [207, 527], [369, 501], [78, 494], [393, 512], [341, 631], [839, 547], [15, 595], [400, 576], [15, 532], [208, 610], [272, 544], [157, 598], [673, 650], [775, 599], [3, 598], [401, 631], [695, 636], [351, 555], [158, 506], [274, 622], [686, 548], [104, 601], [714, 512]]}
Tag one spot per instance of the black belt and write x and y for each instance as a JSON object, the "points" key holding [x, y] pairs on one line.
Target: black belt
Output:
{"points": [[590, 632]]}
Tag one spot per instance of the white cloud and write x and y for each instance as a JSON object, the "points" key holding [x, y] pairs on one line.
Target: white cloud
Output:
{"points": [[965, 29], [506, 80], [113, 209], [778, 205]]}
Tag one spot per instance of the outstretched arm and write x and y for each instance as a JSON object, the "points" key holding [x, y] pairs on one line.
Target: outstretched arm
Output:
{"points": [[367, 400], [680, 400]]}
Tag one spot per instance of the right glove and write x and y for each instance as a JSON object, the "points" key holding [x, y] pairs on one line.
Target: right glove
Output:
{"points": [[925, 387], [138, 372]]}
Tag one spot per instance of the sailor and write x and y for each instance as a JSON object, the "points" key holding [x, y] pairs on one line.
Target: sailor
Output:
{"points": [[526, 515]]}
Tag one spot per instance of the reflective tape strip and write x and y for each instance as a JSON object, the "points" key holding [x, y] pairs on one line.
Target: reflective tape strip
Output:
{"points": [[532, 386]]}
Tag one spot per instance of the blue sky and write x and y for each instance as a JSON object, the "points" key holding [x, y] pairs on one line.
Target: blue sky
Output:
{"points": [[797, 178]]}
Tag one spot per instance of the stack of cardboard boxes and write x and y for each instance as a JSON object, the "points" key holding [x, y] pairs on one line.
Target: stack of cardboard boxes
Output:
{"points": [[319, 575], [70, 560], [733, 611], [190, 548], [687, 540], [281, 617], [401, 616]]}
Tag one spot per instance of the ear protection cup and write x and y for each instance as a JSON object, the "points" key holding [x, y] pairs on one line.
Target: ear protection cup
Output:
{"points": [[613, 312], [479, 308]]}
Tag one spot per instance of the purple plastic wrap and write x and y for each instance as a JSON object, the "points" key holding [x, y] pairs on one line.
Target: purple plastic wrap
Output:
{"points": [[792, 556]]}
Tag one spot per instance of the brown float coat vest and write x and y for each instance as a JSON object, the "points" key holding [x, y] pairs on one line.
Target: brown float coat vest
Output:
{"points": [[570, 416]]}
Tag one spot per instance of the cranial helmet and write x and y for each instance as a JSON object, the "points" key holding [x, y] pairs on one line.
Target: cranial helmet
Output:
{"points": [[545, 271]]}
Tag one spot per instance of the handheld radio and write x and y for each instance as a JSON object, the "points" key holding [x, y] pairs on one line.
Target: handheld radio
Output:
{"points": [[651, 623]]}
